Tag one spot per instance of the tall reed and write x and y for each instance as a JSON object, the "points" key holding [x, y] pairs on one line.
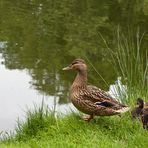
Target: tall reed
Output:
{"points": [[130, 60]]}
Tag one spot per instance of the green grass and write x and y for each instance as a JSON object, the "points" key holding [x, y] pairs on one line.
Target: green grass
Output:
{"points": [[72, 131]]}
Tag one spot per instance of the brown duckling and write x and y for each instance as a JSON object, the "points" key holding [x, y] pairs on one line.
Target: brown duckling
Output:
{"points": [[90, 99], [144, 117], [137, 111], [141, 111]]}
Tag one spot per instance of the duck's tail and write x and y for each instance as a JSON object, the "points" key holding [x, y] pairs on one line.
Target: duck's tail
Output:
{"points": [[123, 110]]}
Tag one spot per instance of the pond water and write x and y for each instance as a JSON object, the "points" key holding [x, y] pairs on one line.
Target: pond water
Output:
{"points": [[17, 96], [39, 38]]}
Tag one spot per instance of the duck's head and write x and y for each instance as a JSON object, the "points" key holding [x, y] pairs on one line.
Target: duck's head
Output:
{"points": [[140, 102], [77, 64]]}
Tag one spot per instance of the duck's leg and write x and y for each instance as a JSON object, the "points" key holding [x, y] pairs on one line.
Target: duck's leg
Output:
{"points": [[88, 118]]}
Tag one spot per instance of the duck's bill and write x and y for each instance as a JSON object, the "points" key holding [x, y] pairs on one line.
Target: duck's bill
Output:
{"points": [[66, 68]]}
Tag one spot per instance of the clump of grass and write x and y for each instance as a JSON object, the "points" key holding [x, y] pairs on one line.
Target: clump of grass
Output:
{"points": [[132, 63], [37, 120], [130, 60], [6, 136]]}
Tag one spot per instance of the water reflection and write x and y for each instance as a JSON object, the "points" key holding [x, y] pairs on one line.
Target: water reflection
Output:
{"points": [[16, 96], [39, 38]]}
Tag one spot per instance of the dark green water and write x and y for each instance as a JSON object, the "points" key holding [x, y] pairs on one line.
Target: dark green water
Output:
{"points": [[41, 37]]}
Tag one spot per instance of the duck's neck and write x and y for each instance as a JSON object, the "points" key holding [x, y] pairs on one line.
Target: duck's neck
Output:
{"points": [[81, 79]]}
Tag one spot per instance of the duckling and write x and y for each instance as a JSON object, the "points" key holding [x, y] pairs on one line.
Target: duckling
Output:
{"points": [[137, 111], [144, 117], [141, 111], [90, 99]]}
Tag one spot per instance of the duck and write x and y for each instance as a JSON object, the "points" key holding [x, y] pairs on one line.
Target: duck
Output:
{"points": [[141, 112], [137, 111], [90, 99]]}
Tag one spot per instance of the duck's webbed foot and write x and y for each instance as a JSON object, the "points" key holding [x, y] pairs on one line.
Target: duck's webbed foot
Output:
{"points": [[88, 118]]}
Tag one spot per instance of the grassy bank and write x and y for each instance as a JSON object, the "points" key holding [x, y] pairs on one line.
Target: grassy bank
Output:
{"points": [[71, 131]]}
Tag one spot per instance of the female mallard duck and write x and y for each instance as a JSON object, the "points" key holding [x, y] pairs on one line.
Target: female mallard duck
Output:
{"points": [[90, 99], [137, 111]]}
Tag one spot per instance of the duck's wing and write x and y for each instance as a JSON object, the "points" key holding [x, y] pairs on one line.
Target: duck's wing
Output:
{"points": [[97, 95], [99, 92]]}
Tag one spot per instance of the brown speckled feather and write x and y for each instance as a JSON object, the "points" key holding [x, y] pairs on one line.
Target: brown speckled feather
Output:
{"points": [[85, 100]]}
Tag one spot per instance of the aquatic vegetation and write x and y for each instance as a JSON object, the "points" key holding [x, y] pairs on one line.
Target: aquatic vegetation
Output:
{"points": [[130, 62]]}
